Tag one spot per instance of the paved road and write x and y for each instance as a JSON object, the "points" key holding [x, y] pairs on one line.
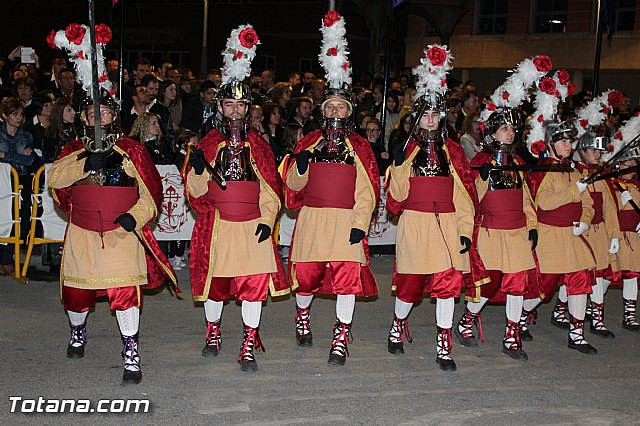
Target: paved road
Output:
{"points": [[557, 386]]}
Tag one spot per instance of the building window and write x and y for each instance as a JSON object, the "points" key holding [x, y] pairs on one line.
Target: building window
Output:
{"points": [[492, 17], [626, 15], [550, 16]]}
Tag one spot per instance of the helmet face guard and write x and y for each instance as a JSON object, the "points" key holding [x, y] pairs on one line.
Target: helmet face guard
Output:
{"points": [[556, 132], [343, 93], [235, 90], [111, 133], [590, 140], [631, 154]]}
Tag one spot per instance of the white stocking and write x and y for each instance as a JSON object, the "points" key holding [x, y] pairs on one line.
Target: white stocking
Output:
{"points": [[345, 305], [251, 313], [514, 307], [129, 320], [402, 309], [444, 312], [577, 306], [213, 310], [77, 318]]}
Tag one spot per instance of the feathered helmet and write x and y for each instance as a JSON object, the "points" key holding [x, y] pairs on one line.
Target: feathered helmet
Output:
{"points": [[549, 93], [237, 56], [627, 133], [432, 78], [333, 58], [594, 114], [502, 105]]}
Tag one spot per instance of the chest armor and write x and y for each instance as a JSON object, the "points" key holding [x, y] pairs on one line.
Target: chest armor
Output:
{"points": [[504, 179], [234, 163], [333, 149], [112, 175], [431, 160]]}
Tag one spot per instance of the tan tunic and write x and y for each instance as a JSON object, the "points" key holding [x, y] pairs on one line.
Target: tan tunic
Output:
{"points": [[507, 250], [559, 251], [426, 244], [322, 234], [235, 244], [85, 263], [629, 254]]}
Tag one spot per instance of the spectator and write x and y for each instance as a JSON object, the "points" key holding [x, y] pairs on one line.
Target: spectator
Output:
{"points": [[141, 67], [399, 134], [61, 130], [255, 121], [281, 95], [151, 83], [361, 122], [112, 65], [376, 106], [186, 89], [471, 136], [271, 121], [268, 80], [198, 110], [294, 78], [470, 104], [216, 77], [317, 94], [42, 107], [25, 87], [162, 72], [391, 116], [67, 88], [612, 123], [453, 107], [58, 63], [140, 105], [173, 74], [373, 130], [169, 98], [291, 135], [146, 129]]}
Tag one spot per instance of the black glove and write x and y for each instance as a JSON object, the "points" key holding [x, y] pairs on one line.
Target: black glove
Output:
{"points": [[196, 159], [533, 237], [484, 170], [399, 155], [466, 243], [264, 232], [356, 235], [126, 221], [95, 161], [302, 162]]}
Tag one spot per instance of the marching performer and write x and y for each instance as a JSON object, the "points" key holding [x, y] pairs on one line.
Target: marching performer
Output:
{"points": [[335, 184], [431, 189], [233, 185], [508, 225], [112, 191]]}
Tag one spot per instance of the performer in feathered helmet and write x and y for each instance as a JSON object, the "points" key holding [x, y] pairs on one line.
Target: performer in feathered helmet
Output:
{"points": [[431, 189], [233, 185], [112, 191], [626, 188], [565, 211], [335, 184], [508, 228], [604, 233]]}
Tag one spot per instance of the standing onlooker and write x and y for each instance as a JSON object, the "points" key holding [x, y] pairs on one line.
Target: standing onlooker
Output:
{"points": [[147, 130], [391, 116], [198, 110], [471, 136], [470, 104], [281, 95], [271, 121], [61, 130], [42, 108], [169, 98]]}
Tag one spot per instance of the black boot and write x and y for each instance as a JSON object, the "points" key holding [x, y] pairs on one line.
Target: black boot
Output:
{"points": [[75, 348], [213, 339], [132, 371], [526, 318], [341, 337], [629, 322], [304, 337], [250, 343], [512, 345], [576, 338], [559, 315], [399, 329], [443, 347], [464, 329], [597, 326]]}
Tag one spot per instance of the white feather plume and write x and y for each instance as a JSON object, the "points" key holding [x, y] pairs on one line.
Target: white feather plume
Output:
{"points": [[236, 57], [333, 54], [432, 78], [594, 113], [626, 134]]}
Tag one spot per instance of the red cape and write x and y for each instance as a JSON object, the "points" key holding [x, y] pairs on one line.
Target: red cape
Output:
{"points": [[158, 266], [458, 160], [262, 155], [294, 199]]}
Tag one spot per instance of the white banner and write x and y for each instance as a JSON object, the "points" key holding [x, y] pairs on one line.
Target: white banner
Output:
{"points": [[176, 220], [54, 220], [382, 230]]}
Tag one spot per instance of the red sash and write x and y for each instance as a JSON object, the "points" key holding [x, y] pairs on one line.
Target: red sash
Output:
{"points": [[562, 216], [502, 209], [628, 219], [240, 202], [597, 206], [430, 194], [330, 185], [96, 207]]}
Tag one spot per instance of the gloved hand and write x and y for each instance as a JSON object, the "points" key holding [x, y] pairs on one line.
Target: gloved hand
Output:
{"points": [[638, 229], [581, 186], [625, 197], [95, 161], [484, 171], [264, 232], [466, 243], [579, 228], [127, 222], [302, 162], [356, 235], [615, 245], [399, 155], [196, 159], [533, 237]]}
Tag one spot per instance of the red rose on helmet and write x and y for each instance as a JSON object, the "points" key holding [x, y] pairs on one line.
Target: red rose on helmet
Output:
{"points": [[548, 85], [50, 39], [332, 51], [248, 38], [571, 89], [537, 147], [491, 106], [505, 95], [102, 78], [563, 77], [345, 66], [103, 34], [584, 123], [610, 148], [615, 98], [331, 18], [618, 136], [75, 33], [542, 63], [540, 118], [437, 56], [606, 110]]}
